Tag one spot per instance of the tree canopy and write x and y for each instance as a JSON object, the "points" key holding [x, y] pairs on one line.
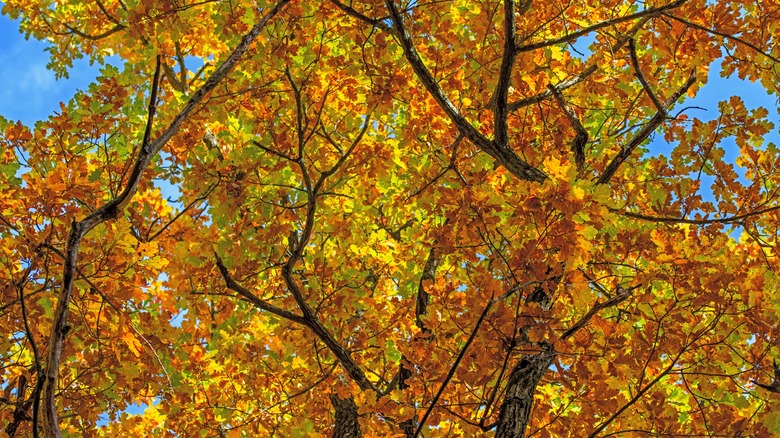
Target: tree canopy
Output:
{"points": [[382, 218]]}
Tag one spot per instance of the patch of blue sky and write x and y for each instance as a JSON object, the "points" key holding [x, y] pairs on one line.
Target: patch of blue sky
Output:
{"points": [[704, 106], [133, 409], [32, 92]]}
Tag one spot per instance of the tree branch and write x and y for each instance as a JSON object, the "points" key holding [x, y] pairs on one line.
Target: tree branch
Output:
{"points": [[645, 132], [518, 401], [642, 79], [500, 152], [112, 209], [581, 138], [721, 34], [532, 100], [500, 125], [352, 12], [421, 303], [680, 220], [607, 23], [463, 350], [254, 299], [346, 422], [621, 295], [775, 385]]}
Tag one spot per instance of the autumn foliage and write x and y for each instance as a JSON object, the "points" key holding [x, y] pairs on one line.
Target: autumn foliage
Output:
{"points": [[384, 218]]}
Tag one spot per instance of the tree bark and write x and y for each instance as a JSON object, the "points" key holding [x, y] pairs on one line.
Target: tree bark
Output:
{"points": [[347, 425], [516, 408]]}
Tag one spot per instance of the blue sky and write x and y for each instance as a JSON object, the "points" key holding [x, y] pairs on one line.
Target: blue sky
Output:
{"points": [[31, 92]]}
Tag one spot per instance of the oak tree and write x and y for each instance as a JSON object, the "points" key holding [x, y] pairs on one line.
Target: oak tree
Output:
{"points": [[394, 218]]}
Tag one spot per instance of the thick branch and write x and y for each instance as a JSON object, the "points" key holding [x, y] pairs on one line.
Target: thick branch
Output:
{"points": [[641, 77], [519, 398], [645, 132], [463, 350], [254, 299], [500, 152], [112, 209], [312, 322], [500, 125], [581, 138]]}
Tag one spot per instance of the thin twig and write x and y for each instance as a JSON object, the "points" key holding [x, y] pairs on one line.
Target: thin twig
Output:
{"points": [[607, 23], [621, 295], [645, 131], [721, 34], [463, 350], [682, 220]]}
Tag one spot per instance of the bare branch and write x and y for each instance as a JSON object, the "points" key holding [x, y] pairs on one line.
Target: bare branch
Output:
{"points": [[680, 220]]}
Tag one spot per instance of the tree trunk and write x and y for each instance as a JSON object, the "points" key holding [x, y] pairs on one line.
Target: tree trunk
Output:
{"points": [[347, 425], [516, 409]]}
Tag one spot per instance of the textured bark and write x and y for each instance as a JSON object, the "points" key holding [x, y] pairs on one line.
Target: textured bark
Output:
{"points": [[347, 425], [429, 274], [516, 409]]}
